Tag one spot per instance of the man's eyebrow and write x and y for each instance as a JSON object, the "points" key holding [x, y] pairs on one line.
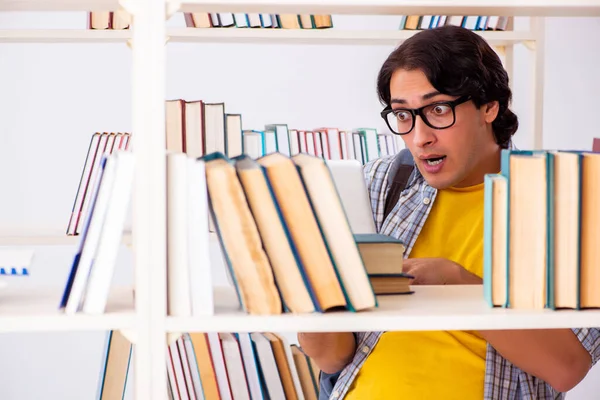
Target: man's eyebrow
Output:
{"points": [[426, 96]]}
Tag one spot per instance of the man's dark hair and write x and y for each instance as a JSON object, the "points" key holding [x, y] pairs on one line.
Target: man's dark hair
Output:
{"points": [[457, 62]]}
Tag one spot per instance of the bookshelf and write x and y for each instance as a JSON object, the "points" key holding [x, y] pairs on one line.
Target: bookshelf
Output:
{"points": [[537, 8], [254, 36], [35, 311], [145, 315], [452, 307], [48, 239]]}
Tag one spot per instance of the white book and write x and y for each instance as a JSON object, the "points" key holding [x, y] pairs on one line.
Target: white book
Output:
{"points": [[199, 265], [241, 21], [216, 352], [178, 277], [90, 236], [269, 366], [171, 378], [178, 371], [104, 149], [294, 144], [84, 183], [235, 367], [187, 373], [250, 365], [102, 271]]}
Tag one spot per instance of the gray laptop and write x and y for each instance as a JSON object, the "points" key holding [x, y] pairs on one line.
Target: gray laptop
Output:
{"points": [[352, 188]]}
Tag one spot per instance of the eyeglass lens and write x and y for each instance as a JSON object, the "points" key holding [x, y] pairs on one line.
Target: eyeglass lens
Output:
{"points": [[435, 115]]}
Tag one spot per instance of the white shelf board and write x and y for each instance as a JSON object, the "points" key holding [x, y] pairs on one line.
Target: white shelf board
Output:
{"points": [[321, 36], [36, 309], [47, 239], [556, 8], [244, 35], [64, 36], [451, 307], [59, 5]]}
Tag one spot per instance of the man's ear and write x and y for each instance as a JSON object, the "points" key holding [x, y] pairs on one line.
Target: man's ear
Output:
{"points": [[491, 111]]}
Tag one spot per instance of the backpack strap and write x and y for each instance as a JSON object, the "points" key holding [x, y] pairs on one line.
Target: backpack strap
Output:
{"points": [[398, 177]]}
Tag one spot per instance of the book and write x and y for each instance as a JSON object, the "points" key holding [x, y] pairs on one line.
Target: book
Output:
{"points": [[241, 244], [297, 212], [296, 291], [381, 254], [335, 229]]}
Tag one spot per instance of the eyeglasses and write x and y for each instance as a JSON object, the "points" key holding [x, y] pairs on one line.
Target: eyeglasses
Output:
{"points": [[439, 115]]}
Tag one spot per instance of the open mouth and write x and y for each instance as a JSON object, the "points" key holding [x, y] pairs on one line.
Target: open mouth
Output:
{"points": [[435, 160]]}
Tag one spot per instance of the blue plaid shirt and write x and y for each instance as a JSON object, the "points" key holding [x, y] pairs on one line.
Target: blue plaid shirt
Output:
{"points": [[503, 380]]}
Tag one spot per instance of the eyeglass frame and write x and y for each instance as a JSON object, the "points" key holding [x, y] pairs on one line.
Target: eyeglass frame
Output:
{"points": [[419, 112]]}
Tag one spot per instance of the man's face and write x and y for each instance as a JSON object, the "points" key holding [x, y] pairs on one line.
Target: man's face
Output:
{"points": [[454, 156]]}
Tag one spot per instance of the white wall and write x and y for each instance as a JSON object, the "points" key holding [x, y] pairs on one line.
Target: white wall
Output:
{"points": [[55, 96]]}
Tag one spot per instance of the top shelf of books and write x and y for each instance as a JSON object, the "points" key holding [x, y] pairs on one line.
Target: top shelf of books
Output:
{"points": [[402, 7], [556, 8]]}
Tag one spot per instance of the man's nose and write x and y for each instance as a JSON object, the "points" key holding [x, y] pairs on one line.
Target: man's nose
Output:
{"points": [[424, 135]]}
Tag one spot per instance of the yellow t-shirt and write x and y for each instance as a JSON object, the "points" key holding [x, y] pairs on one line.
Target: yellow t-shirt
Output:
{"points": [[434, 365]]}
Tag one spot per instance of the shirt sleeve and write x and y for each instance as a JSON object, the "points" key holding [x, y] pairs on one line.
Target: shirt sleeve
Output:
{"points": [[376, 175], [590, 339]]}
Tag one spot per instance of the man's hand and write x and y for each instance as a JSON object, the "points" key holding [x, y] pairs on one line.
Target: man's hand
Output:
{"points": [[330, 351], [438, 271]]}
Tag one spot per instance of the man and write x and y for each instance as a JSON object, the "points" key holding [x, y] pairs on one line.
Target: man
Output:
{"points": [[446, 93]]}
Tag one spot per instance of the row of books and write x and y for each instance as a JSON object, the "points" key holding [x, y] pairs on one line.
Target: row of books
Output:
{"points": [[282, 232], [542, 230], [241, 20], [219, 366], [101, 144], [362, 144], [472, 22], [116, 20], [197, 128], [121, 20]]}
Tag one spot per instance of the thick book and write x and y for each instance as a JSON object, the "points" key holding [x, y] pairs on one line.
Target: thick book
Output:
{"points": [[291, 277], [336, 232], [298, 214], [247, 262]]}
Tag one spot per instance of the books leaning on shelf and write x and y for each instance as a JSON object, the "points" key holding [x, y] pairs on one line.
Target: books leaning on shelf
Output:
{"points": [[109, 20], [542, 231], [89, 280], [101, 144], [241, 20], [285, 236], [472, 22]]}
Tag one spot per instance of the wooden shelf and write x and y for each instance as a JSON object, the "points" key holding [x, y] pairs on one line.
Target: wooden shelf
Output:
{"points": [[321, 36], [429, 308], [46, 239], [534, 8], [557, 8], [244, 35], [30, 310], [58, 5], [63, 36]]}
